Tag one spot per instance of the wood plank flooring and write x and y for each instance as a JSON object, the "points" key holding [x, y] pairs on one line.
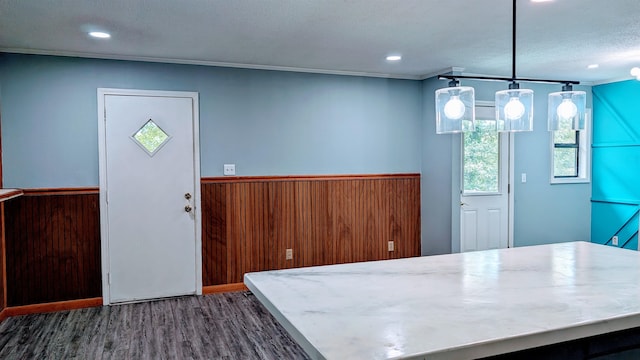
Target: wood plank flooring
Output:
{"points": [[220, 326]]}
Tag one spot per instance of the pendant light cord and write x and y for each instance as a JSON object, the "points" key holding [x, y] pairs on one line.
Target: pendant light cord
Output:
{"points": [[513, 43], [513, 77]]}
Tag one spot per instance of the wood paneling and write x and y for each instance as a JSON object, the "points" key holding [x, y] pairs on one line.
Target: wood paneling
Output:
{"points": [[53, 235], [1, 177], [53, 246], [248, 223], [3, 270]]}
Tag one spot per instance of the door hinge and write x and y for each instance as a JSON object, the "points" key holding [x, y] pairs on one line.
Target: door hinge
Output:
{"points": [[508, 188], [109, 278]]}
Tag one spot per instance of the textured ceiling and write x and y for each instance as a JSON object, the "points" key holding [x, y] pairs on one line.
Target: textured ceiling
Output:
{"points": [[556, 40]]}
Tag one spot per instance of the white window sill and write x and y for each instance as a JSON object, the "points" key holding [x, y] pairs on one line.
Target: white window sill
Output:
{"points": [[577, 180]]}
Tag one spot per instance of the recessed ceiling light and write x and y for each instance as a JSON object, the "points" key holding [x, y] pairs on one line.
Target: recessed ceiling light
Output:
{"points": [[99, 34], [394, 58], [593, 66]]}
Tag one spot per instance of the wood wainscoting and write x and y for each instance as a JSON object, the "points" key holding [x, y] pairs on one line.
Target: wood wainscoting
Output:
{"points": [[52, 236], [249, 222], [52, 246], [3, 270]]}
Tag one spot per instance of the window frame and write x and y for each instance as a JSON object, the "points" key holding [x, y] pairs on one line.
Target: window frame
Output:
{"points": [[583, 160]]}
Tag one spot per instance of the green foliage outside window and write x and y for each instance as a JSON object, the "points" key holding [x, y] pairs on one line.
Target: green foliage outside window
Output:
{"points": [[151, 136], [481, 158], [565, 153], [564, 136]]}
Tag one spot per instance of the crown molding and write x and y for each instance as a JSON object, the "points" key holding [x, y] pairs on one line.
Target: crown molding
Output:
{"points": [[208, 63]]}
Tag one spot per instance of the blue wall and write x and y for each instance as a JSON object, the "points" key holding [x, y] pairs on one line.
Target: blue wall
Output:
{"points": [[266, 122], [543, 213], [277, 123], [436, 179], [616, 163]]}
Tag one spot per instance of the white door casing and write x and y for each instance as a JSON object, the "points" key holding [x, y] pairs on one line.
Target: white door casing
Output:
{"points": [[483, 220], [151, 246]]}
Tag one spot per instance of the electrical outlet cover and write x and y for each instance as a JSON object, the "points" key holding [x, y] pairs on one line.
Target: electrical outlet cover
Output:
{"points": [[229, 169]]}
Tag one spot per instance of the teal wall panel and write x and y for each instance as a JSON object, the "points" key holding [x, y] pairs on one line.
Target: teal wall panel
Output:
{"points": [[616, 163], [616, 173], [616, 113], [609, 219]]}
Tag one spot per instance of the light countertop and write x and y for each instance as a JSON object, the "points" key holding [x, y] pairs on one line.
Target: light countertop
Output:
{"points": [[455, 306], [6, 194]]}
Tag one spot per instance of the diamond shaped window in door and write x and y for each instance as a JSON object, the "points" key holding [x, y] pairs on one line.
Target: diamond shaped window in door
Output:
{"points": [[150, 137]]}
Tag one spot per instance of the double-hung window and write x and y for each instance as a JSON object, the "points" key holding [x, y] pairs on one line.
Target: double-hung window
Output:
{"points": [[571, 154]]}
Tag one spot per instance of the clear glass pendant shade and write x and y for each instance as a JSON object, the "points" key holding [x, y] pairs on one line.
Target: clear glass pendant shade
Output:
{"points": [[567, 110], [514, 110], [455, 109]]}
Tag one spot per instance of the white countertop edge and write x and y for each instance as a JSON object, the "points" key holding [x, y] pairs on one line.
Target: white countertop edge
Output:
{"points": [[293, 332], [532, 340], [490, 347], [7, 194]]}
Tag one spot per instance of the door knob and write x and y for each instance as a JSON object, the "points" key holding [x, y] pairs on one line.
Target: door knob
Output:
{"points": [[188, 208], [187, 196]]}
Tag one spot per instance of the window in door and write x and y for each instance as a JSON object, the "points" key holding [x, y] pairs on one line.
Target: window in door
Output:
{"points": [[481, 159]]}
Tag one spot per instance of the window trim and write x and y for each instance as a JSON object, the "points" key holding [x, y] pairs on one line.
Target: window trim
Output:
{"points": [[583, 139]]}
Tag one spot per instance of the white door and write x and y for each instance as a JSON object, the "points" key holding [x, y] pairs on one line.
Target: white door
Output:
{"points": [[149, 191], [484, 195]]}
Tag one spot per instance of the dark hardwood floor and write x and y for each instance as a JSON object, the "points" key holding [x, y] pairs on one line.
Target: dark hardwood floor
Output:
{"points": [[221, 326]]}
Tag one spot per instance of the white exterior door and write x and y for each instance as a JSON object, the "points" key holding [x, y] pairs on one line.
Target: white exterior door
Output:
{"points": [[149, 181], [484, 195]]}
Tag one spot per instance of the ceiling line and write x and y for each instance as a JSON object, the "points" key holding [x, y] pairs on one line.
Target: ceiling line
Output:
{"points": [[208, 63]]}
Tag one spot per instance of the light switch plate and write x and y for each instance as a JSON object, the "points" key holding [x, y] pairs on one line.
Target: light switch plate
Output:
{"points": [[229, 169]]}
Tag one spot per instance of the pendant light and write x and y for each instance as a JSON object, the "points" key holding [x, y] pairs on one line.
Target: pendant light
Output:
{"points": [[514, 107], [456, 109], [567, 109]]}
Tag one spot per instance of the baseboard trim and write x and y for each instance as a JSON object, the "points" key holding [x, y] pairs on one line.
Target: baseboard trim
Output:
{"points": [[51, 307], [3, 315], [216, 289]]}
